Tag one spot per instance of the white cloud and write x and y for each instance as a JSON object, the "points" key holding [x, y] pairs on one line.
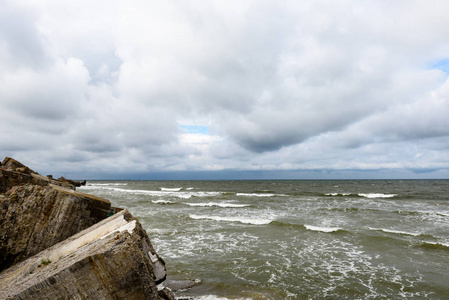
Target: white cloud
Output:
{"points": [[285, 85]]}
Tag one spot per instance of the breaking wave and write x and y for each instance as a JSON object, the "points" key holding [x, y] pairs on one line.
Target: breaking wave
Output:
{"points": [[435, 245], [322, 229], [377, 195], [106, 184], [395, 231], [170, 189], [233, 219], [163, 202], [219, 204], [257, 194], [364, 195]]}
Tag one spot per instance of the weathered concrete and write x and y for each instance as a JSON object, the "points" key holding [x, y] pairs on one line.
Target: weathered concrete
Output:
{"points": [[113, 259], [35, 217]]}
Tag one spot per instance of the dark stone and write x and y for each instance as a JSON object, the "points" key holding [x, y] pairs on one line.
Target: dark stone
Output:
{"points": [[13, 165], [113, 259], [36, 217], [57, 243]]}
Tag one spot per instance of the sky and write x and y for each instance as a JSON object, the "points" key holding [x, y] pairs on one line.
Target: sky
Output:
{"points": [[224, 89]]}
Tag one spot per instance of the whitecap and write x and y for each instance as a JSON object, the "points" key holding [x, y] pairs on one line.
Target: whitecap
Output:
{"points": [[170, 189], [395, 231], [206, 194], [219, 204], [154, 193], [106, 184], [233, 219], [162, 202], [184, 196], [338, 194], [256, 194], [213, 297], [377, 195], [437, 243], [137, 191], [322, 229]]}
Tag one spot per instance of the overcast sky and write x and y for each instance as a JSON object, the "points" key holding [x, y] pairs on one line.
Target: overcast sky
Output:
{"points": [[226, 89]]}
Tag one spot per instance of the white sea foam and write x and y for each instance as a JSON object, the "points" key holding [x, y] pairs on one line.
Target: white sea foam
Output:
{"points": [[233, 219], [395, 231], [205, 194], [322, 229], [437, 243], [184, 196], [337, 194], [256, 194], [170, 189], [377, 195], [163, 193], [213, 297], [137, 191], [219, 204], [162, 202], [106, 184]]}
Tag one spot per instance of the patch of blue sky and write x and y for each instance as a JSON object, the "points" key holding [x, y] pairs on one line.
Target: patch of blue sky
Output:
{"points": [[442, 64], [194, 129]]}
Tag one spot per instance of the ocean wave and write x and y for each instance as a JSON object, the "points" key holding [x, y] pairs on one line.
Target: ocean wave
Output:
{"points": [[417, 213], [435, 245], [345, 209], [377, 195], [257, 194], [322, 229], [364, 195], [233, 219], [163, 202], [308, 227], [184, 196], [339, 194], [170, 189], [264, 192], [219, 204], [286, 224], [163, 193], [396, 231], [213, 297], [147, 192], [106, 184], [405, 212]]}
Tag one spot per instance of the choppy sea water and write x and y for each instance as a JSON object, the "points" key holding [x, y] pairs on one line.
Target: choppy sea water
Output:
{"points": [[373, 239]]}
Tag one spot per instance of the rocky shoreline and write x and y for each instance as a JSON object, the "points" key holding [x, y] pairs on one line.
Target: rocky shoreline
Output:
{"points": [[58, 243]]}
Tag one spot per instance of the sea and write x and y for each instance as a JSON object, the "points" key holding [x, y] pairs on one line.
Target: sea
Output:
{"points": [[295, 239]]}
